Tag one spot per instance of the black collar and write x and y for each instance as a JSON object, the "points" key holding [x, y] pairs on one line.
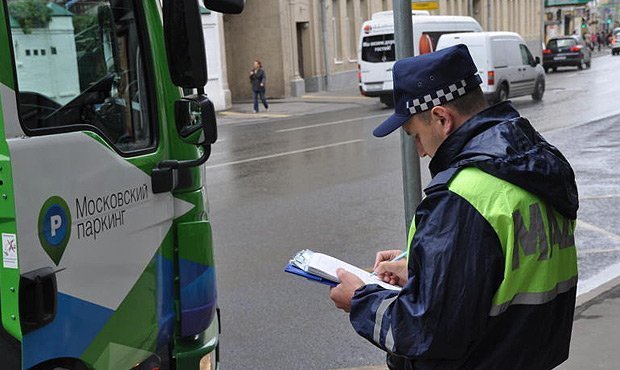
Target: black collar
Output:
{"points": [[454, 144]]}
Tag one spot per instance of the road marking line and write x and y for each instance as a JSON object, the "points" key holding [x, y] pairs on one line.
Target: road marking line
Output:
{"points": [[242, 114], [284, 154], [379, 367], [581, 252], [608, 234], [596, 197], [333, 123], [332, 97]]}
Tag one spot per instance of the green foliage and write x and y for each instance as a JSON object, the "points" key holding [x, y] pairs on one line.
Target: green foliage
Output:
{"points": [[30, 13]]}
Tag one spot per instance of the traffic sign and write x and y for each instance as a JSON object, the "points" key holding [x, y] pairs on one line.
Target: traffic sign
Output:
{"points": [[424, 5]]}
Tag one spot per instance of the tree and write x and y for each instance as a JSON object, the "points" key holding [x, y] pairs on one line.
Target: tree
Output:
{"points": [[30, 14]]}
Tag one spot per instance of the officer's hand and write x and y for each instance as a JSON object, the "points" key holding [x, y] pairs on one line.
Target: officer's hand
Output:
{"points": [[394, 273], [385, 256], [343, 292]]}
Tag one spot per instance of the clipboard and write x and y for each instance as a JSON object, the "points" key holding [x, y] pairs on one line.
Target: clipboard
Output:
{"points": [[322, 268], [291, 268]]}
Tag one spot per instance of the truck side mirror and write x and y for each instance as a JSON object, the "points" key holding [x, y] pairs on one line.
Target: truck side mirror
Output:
{"points": [[185, 47], [225, 6], [195, 120]]}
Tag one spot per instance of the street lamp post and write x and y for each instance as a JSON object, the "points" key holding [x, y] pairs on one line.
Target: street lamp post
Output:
{"points": [[403, 38]]}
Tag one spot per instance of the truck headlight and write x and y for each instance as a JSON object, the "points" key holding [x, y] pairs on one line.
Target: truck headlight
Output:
{"points": [[209, 362]]}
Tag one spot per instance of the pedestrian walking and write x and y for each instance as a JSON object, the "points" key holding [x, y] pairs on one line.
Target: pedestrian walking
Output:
{"points": [[258, 80], [491, 274]]}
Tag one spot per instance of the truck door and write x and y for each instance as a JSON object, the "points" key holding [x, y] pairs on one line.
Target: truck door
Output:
{"points": [[528, 70], [92, 241]]}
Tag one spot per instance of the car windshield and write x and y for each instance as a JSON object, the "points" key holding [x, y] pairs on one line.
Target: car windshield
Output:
{"points": [[562, 43]]}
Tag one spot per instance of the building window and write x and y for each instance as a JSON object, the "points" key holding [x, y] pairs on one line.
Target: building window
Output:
{"points": [[336, 22], [35, 52], [42, 51], [53, 50], [27, 52]]}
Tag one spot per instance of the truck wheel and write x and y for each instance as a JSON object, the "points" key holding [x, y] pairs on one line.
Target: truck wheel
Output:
{"points": [[502, 93], [61, 364], [388, 100], [539, 90]]}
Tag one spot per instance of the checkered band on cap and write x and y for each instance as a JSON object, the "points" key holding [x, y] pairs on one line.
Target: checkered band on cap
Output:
{"points": [[443, 96]]}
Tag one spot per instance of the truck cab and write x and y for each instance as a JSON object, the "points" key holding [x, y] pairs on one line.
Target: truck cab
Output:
{"points": [[107, 254]]}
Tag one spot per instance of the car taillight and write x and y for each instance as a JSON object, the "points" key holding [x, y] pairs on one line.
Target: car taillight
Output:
{"points": [[547, 51], [359, 73], [576, 48], [491, 78]]}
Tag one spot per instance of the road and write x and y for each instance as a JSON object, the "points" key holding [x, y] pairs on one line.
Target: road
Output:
{"points": [[321, 181]]}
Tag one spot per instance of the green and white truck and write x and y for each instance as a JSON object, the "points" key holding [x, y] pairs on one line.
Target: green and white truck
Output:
{"points": [[107, 255]]}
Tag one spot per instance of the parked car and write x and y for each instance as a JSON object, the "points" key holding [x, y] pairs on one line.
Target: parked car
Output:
{"points": [[505, 64], [566, 51], [615, 41]]}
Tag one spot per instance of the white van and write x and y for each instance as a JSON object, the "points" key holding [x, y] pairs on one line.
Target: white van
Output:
{"points": [[376, 49], [504, 62]]}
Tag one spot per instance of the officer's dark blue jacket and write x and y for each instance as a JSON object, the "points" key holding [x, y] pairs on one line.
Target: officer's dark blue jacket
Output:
{"points": [[440, 320]]}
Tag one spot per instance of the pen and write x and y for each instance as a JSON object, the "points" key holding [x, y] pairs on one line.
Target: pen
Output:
{"points": [[397, 258]]}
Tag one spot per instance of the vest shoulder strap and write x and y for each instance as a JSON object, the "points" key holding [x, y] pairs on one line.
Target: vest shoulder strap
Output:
{"points": [[441, 181]]}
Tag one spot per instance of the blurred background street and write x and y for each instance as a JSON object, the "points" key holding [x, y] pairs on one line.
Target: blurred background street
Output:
{"points": [[309, 174]]}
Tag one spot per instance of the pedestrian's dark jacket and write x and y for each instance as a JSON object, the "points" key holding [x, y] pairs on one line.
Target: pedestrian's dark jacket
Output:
{"points": [[257, 78], [441, 320]]}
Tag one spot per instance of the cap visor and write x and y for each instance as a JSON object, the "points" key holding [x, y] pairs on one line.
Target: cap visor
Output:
{"points": [[389, 125]]}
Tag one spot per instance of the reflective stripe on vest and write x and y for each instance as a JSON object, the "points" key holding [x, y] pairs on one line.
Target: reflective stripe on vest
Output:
{"points": [[540, 258]]}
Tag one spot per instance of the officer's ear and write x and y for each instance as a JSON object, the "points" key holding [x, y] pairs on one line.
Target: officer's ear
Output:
{"points": [[445, 118]]}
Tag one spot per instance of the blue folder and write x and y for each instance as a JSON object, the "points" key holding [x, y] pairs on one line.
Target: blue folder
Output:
{"points": [[291, 268]]}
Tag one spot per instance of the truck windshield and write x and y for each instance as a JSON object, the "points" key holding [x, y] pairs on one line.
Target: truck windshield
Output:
{"points": [[378, 48], [79, 67]]}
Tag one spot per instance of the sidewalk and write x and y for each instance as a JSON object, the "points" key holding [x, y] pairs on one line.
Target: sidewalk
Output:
{"points": [[596, 330], [310, 103]]}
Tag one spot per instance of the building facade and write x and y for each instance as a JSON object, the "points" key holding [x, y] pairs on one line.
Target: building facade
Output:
{"points": [[304, 45], [217, 84], [524, 17], [311, 45], [46, 57], [568, 17]]}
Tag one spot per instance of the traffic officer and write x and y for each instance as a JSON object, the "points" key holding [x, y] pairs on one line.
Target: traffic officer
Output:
{"points": [[490, 279]]}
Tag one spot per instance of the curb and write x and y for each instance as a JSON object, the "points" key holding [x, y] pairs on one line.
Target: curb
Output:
{"points": [[584, 299]]}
